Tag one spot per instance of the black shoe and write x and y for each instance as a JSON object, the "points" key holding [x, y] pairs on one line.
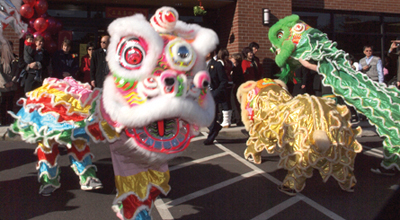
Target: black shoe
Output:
{"points": [[383, 171], [212, 135], [208, 142]]}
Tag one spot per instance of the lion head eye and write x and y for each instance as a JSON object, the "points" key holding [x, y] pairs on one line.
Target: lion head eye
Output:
{"points": [[180, 54], [130, 53], [280, 34], [299, 28]]}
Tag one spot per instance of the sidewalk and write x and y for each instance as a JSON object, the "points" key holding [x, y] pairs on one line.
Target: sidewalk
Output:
{"points": [[234, 132]]}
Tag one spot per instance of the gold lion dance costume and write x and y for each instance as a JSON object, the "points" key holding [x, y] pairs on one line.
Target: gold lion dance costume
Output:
{"points": [[308, 132], [153, 102]]}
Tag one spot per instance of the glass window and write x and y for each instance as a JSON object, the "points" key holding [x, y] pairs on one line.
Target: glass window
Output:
{"points": [[348, 23], [354, 43], [321, 21], [392, 25], [68, 13]]}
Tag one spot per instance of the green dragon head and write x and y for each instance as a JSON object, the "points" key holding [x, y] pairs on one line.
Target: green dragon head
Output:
{"points": [[285, 36]]}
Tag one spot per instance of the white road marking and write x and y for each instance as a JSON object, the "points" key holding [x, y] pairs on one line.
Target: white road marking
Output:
{"points": [[320, 208], [278, 208], [179, 166], [163, 207], [198, 138], [207, 190], [162, 210]]}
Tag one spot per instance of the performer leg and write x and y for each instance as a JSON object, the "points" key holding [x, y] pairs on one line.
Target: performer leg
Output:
{"points": [[137, 187], [214, 129], [48, 169], [81, 163], [293, 183], [349, 183]]}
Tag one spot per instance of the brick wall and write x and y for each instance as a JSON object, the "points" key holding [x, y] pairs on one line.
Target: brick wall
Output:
{"points": [[10, 35], [245, 26], [388, 6]]}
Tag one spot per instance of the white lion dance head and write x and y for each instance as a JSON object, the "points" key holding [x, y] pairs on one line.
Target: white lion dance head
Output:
{"points": [[157, 88]]}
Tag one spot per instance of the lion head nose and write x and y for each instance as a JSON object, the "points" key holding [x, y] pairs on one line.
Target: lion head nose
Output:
{"points": [[169, 81]]}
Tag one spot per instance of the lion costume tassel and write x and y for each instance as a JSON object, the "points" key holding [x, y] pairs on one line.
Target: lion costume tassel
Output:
{"points": [[308, 132], [153, 102]]}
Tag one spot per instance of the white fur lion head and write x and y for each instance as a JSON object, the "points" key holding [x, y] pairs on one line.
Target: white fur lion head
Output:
{"points": [[157, 89]]}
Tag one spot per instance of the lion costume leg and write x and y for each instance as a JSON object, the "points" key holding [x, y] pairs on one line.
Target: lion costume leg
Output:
{"points": [[295, 180], [48, 168], [137, 186], [81, 163]]}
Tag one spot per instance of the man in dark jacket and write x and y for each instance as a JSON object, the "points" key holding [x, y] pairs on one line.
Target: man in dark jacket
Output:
{"points": [[98, 64], [395, 54], [218, 84]]}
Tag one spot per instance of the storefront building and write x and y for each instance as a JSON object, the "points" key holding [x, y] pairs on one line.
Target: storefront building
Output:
{"points": [[351, 23]]}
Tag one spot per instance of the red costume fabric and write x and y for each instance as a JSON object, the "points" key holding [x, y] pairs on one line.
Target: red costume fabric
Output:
{"points": [[85, 69]]}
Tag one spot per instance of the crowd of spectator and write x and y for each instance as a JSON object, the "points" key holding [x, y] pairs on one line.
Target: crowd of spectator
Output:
{"points": [[28, 73]]}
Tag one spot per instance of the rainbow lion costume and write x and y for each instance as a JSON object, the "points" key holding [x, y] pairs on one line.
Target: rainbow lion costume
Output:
{"points": [[154, 100]]}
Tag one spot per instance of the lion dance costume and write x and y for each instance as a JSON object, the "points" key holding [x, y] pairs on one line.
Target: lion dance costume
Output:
{"points": [[308, 132], [153, 102], [292, 39]]}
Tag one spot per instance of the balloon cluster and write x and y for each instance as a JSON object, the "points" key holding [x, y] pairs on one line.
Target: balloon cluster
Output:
{"points": [[40, 23]]}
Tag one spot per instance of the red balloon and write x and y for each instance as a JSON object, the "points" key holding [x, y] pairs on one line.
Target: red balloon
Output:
{"points": [[40, 24], [32, 22], [26, 11], [31, 30], [41, 7], [52, 22], [47, 36], [29, 2], [37, 33], [50, 46], [45, 15]]}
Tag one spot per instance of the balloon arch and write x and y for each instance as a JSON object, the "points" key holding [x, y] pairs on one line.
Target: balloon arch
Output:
{"points": [[41, 23]]}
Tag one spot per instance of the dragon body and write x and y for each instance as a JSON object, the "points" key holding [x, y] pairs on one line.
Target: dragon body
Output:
{"points": [[293, 39]]}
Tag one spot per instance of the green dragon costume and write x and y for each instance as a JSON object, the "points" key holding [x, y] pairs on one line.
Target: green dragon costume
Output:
{"points": [[292, 39]]}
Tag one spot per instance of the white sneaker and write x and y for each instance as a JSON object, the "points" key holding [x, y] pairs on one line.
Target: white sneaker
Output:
{"points": [[92, 183]]}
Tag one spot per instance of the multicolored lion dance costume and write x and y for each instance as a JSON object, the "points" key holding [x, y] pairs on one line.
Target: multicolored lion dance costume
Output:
{"points": [[153, 102], [293, 40], [308, 132]]}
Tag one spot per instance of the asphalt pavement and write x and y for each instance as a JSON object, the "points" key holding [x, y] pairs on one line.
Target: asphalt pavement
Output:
{"points": [[207, 182]]}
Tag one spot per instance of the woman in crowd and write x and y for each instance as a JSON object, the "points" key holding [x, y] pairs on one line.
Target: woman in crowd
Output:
{"points": [[237, 79], [250, 68], [84, 69]]}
